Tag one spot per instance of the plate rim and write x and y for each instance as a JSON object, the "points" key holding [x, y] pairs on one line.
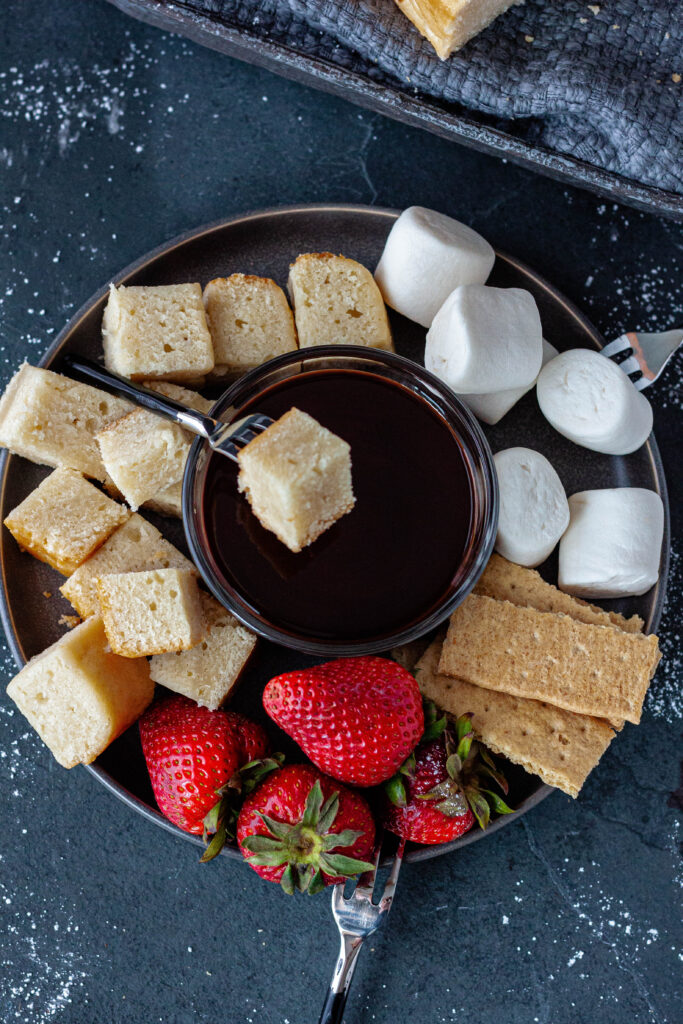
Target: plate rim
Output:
{"points": [[415, 852]]}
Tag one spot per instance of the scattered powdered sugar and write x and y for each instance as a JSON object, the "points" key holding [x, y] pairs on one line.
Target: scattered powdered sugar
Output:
{"points": [[665, 696], [41, 950]]}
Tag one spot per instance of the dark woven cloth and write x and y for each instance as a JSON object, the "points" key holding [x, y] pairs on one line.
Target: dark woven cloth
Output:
{"points": [[601, 82]]}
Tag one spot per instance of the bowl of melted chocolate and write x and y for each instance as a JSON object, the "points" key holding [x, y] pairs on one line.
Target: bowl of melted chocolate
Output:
{"points": [[419, 536]]}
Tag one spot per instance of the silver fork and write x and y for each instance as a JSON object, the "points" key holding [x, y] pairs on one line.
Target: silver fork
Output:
{"points": [[224, 438], [649, 353], [357, 916]]}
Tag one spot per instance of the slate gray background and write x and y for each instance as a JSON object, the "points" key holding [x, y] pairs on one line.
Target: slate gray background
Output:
{"points": [[114, 137], [594, 81]]}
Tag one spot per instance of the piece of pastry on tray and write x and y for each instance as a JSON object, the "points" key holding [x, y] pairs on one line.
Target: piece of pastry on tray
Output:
{"points": [[250, 322], [134, 547], [337, 302], [449, 24], [79, 696], [157, 332], [64, 520], [209, 672], [151, 612]]}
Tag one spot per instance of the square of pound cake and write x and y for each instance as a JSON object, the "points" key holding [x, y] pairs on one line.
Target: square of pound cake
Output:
{"points": [[79, 696], [53, 420], [151, 612], [296, 476], [209, 672], [337, 302], [157, 332], [64, 520], [250, 322]]}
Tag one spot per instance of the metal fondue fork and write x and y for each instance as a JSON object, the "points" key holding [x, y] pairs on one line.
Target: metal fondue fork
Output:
{"points": [[224, 438], [357, 917]]}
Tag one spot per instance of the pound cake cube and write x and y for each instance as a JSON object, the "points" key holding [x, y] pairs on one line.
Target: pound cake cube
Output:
{"points": [[337, 302], [449, 24], [185, 395], [209, 672], [250, 322], [296, 476], [560, 747], [143, 454], [591, 670], [157, 332], [64, 520], [151, 612], [79, 696], [168, 502], [135, 546], [52, 420]]}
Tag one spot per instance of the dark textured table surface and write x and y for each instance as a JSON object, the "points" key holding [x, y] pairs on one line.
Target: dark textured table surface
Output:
{"points": [[114, 137]]}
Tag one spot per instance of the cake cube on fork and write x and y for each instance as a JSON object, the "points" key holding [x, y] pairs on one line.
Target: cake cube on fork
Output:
{"points": [[296, 476]]}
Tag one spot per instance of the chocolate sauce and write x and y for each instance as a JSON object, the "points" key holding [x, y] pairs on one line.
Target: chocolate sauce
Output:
{"points": [[390, 560]]}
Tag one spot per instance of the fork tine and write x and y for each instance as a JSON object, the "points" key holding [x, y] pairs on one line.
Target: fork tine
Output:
{"points": [[366, 882], [613, 348], [390, 887], [630, 365]]}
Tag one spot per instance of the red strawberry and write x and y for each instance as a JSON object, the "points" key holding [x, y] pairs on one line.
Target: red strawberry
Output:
{"points": [[436, 796], [304, 830], [192, 755], [356, 718]]}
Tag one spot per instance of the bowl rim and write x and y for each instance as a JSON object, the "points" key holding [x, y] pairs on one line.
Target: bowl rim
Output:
{"points": [[460, 421]]}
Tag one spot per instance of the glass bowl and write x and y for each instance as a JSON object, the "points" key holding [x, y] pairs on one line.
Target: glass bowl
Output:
{"points": [[461, 423]]}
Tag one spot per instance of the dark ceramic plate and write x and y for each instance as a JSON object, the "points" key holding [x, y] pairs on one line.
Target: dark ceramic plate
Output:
{"points": [[265, 243]]}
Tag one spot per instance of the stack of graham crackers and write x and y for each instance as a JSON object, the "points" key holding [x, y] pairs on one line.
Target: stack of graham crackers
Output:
{"points": [[548, 678]]}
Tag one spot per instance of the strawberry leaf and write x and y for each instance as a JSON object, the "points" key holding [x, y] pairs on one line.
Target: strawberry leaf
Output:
{"points": [[479, 806], [276, 828], [261, 844], [214, 847], [396, 791], [490, 769], [498, 805], [314, 802], [287, 881], [269, 860], [454, 765], [316, 884], [339, 864], [463, 726], [212, 819], [328, 813], [434, 730], [346, 838]]}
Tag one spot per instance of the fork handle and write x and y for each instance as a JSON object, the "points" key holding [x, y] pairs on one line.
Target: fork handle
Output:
{"points": [[333, 1008], [196, 422]]}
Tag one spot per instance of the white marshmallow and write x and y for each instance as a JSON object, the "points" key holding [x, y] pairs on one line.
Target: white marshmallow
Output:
{"points": [[492, 407], [485, 339], [588, 399], [425, 257], [533, 506], [613, 543]]}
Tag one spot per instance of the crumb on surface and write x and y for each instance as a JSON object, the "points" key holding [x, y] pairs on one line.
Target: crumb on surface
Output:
{"points": [[70, 621]]}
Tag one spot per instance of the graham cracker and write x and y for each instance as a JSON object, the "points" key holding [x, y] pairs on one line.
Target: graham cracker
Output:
{"points": [[507, 581], [592, 670], [560, 747]]}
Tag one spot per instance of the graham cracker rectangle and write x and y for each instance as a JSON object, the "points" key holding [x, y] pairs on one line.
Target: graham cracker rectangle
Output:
{"points": [[560, 747], [507, 581], [592, 670]]}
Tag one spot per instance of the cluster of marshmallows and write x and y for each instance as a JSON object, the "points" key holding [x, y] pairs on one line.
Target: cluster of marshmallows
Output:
{"points": [[487, 344]]}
